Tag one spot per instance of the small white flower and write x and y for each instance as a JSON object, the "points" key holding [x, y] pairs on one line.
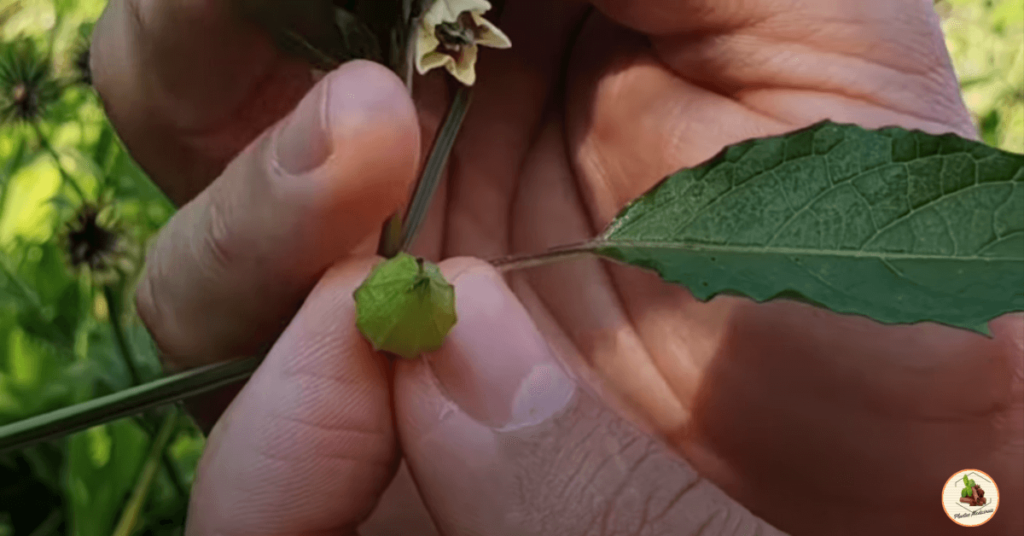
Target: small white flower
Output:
{"points": [[449, 34]]}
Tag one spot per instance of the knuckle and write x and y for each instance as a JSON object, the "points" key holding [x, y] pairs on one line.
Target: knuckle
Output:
{"points": [[217, 247]]}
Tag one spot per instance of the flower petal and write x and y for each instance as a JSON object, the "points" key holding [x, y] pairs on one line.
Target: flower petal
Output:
{"points": [[489, 34], [433, 61], [465, 70], [473, 6], [449, 10], [426, 45]]}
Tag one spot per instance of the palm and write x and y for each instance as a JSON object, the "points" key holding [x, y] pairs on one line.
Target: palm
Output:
{"points": [[753, 395]]}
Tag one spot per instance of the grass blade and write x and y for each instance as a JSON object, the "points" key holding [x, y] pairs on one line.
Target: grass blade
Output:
{"points": [[125, 403]]}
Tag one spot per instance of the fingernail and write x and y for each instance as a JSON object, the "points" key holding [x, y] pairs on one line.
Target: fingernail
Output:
{"points": [[343, 105], [495, 365]]}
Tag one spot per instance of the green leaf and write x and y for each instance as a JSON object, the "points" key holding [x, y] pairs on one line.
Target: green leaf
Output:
{"points": [[967, 483], [102, 465], [966, 492], [405, 306], [899, 226]]}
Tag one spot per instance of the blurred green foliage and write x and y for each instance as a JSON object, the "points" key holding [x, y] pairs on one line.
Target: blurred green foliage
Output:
{"points": [[986, 41], [57, 338], [58, 343]]}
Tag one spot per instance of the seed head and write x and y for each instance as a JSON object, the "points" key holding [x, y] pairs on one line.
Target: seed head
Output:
{"points": [[94, 244], [27, 85]]}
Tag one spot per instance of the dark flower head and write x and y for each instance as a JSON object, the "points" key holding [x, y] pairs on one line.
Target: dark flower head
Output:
{"points": [[449, 36], [83, 71], [27, 85], [91, 244]]}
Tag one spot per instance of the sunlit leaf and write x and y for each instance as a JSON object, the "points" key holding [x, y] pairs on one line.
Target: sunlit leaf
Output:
{"points": [[97, 487], [899, 226]]}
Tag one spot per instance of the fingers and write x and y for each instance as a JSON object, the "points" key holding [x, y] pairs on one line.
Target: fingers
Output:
{"points": [[502, 440], [671, 16], [634, 121], [232, 266], [308, 446], [644, 108], [188, 84]]}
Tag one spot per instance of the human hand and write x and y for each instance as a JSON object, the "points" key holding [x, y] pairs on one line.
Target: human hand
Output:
{"points": [[264, 219], [189, 87], [525, 188], [752, 395]]}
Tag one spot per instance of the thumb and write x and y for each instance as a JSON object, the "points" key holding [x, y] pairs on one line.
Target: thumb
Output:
{"points": [[308, 446], [502, 439], [232, 266]]}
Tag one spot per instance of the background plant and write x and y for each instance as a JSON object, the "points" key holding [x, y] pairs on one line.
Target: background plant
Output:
{"points": [[76, 215]]}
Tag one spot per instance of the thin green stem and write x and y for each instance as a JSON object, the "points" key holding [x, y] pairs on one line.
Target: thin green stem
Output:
{"points": [[114, 313], [173, 389], [128, 358], [551, 256], [314, 55], [188, 384], [49, 525], [131, 401], [393, 240], [30, 298], [10, 168], [64, 175], [434, 168], [147, 475], [25, 292], [172, 471]]}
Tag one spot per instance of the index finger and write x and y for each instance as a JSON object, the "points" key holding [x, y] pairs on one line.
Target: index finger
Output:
{"points": [[188, 84]]}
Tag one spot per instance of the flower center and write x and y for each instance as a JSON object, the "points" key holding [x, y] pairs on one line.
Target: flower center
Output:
{"points": [[454, 36], [19, 92], [89, 242]]}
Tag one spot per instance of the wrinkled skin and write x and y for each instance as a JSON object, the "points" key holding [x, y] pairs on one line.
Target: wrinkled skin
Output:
{"points": [[810, 422]]}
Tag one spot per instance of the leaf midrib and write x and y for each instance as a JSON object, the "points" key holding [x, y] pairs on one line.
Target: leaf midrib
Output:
{"points": [[789, 251], [849, 182]]}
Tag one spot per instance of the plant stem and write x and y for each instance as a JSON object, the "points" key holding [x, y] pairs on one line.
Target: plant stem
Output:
{"points": [[131, 401], [551, 256], [392, 241], [188, 384], [49, 525], [172, 471], [114, 313], [127, 357], [64, 175], [434, 168], [144, 483]]}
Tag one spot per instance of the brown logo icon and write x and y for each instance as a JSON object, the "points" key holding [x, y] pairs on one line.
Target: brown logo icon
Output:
{"points": [[970, 498]]}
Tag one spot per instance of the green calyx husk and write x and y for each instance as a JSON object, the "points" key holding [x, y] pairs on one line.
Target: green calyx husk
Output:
{"points": [[405, 307]]}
